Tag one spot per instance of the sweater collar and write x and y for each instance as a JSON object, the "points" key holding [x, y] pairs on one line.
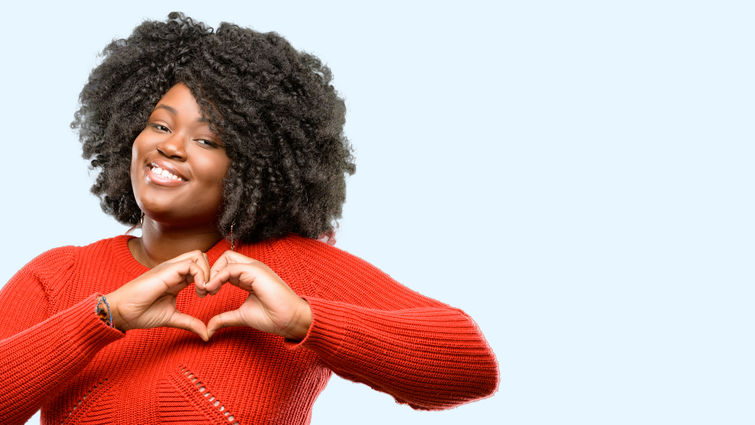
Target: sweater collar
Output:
{"points": [[129, 263]]}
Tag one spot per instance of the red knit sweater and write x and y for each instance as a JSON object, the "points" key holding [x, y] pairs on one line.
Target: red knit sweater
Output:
{"points": [[57, 355]]}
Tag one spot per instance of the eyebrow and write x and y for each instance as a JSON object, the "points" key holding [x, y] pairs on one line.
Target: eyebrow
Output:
{"points": [[174, 112], [167, 108]]}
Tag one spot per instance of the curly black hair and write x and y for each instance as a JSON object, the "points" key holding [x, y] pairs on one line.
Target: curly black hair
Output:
{"points": [[280, 119]]}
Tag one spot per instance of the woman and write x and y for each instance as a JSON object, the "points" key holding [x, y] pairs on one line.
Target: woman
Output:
{"points": [[226, 148]]}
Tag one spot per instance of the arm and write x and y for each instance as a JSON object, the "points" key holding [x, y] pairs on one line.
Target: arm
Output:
{"points": [[367, 327], [40, 351], [362, 324]]}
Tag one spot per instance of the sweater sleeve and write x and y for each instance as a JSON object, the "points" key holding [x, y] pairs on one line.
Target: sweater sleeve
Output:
{"points": [[368, 328], [39, 350]]}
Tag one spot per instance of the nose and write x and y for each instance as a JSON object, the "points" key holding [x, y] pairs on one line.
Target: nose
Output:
{"points": [[173, 147]]}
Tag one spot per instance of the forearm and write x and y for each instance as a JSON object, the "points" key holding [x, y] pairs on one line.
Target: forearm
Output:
{"points": [[39, 359], [427, 357]]}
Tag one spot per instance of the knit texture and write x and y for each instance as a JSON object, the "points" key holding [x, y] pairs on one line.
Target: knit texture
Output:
{"points": [[58, 356]]}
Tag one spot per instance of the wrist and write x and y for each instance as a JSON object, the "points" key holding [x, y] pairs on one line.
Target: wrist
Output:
{"points": [[102, 308], [301, 325], [116, 318]]}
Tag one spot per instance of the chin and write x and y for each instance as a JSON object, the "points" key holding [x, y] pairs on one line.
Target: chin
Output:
{"points": [[169, 215]]}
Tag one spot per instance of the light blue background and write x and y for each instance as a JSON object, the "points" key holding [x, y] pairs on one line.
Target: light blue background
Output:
{"points": [[577, 176]]}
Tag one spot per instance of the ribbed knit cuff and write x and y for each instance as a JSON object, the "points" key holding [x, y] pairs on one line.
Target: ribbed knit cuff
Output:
{"points": [[327, 330], [85, 330]]}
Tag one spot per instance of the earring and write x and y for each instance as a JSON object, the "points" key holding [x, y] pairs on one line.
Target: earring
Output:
{"points": [[233, 238], [138, 225]]}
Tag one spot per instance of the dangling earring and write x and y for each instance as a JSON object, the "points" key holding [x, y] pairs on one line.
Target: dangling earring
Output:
{"points": [[138, 225], [233, 238]]}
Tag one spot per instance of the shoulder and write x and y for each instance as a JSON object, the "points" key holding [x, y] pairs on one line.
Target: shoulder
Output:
{"points": [[337, 275], [308, 265], [52, 260], [324, 261], [57, 263], [103, 247], [313, 251]]}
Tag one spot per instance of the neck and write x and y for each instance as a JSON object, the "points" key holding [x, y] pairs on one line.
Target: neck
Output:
{"points": [[160, 243]]}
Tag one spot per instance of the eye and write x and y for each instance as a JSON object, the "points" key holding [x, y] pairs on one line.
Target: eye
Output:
{"points": [[159, 127], [208, 143]]}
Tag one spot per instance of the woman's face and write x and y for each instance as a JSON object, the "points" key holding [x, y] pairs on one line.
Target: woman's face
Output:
{"points": [[178, 164]]}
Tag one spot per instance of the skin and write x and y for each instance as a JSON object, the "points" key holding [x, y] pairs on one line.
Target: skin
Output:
{"points": [[180, 217]]}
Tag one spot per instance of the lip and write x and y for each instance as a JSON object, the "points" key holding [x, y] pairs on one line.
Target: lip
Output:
{"points": [[162, 180]]}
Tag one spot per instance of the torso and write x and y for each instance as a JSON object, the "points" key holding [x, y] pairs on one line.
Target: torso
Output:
{"points": [[153, 375]]}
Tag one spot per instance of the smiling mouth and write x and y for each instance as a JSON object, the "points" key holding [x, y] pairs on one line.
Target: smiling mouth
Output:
{"points": [[161, 172]]}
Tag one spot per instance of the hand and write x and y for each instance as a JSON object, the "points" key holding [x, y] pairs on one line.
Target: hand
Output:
{"points": [[271, 307], [149, 301]]}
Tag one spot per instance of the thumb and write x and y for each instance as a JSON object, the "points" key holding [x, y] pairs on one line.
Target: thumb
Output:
{"points": [[224, 320], [190, 323]]}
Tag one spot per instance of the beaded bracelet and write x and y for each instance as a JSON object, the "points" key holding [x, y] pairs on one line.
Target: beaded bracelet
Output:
{"points": [[104, 313]]}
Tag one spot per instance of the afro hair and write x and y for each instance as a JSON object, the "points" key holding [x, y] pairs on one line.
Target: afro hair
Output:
{"points": [[280, 120]]}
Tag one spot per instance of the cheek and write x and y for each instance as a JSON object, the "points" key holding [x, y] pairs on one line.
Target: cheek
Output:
{"points": [[134, 159], [216, 168], [137, 159], [137, 148], [222, 170]]}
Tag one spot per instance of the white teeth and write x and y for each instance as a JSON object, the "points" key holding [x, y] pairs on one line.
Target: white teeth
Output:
{"points": [[165, 173]]}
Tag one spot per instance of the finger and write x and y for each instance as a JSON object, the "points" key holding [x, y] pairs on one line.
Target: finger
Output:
{"points": [[217, 280], [198, 257], [184, 321], [242, 275], [203, 262], [229, 257], [217, 275], [186, 272], [196, 274], [200, 290], [173, 277], [224, 320]]}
